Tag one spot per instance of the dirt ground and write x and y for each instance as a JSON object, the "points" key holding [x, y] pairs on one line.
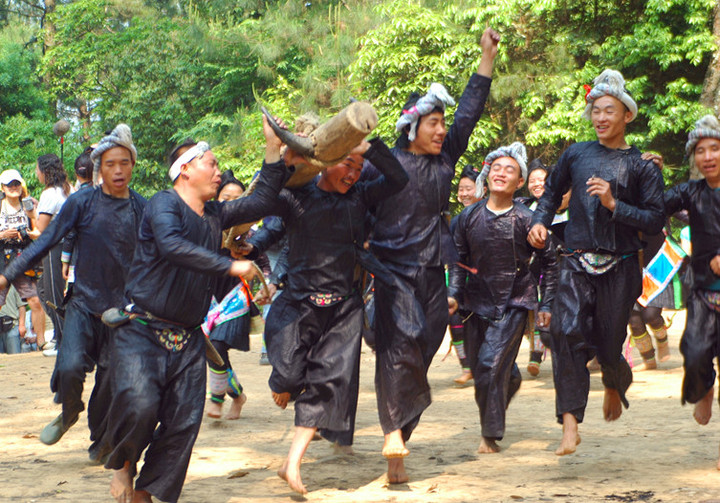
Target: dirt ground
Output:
{"points": [[655, 452]]}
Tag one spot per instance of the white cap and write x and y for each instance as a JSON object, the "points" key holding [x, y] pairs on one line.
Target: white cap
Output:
{"points": [[9, 175]]}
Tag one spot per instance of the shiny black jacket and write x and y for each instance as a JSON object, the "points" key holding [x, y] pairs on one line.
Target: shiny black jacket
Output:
{"points": [[496, 248], [410, 228], [325, 230], [703, 204], [637, 186], [105, 230], [177, 259]]}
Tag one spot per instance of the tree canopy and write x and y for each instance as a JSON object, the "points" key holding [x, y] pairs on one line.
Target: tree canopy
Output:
{"points": [[177, 69]]}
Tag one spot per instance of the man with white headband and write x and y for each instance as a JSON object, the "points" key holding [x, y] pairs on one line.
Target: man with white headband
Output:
{"points": [[412, 238], [158, 367], [105, 221], [700, 343], [495, 283], [615, 194]]}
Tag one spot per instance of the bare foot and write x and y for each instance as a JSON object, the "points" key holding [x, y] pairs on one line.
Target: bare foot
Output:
{"points": [[718, 463], [394, 446], [703, 409], [488, 446], [292, 477], [396, 471], [343, 450], [281, 399], [121, 487], [464, 378], [214, 410], [142, 497], [571, 437], [663, 350], [646, 365], [612, 406], [593, 365], [236, 407], [533, 369]]}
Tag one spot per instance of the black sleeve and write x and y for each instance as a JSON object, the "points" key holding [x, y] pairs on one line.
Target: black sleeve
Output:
{"points": [[273, 228], [279, 274], [557, 184], [66, 219], [261, 202], [167, 228], [68, 246], [470, 108], [393, 176], [457, 276], [649, 215], [676, 199], [549, 270]]}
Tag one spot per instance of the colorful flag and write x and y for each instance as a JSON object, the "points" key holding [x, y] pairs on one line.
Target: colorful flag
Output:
{"points": [[660, 271]]}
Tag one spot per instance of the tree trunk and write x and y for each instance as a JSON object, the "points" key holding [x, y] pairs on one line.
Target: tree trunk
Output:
{"points": [[49, 25], [710, 96], [84, 117]]}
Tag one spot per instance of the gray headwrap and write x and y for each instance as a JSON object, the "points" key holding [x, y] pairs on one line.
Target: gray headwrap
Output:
{"points": [[437, 96], [515, 150], [121, 136], [610, 83], [707, 127]]}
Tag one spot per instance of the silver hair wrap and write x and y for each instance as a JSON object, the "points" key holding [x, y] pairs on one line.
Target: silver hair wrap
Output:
{"points": [[121, 136], [707, 127], [437, 96], [515, 150], [610, 83]]}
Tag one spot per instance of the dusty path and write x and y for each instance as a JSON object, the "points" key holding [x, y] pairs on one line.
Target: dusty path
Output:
{"points": [[655, 452]]}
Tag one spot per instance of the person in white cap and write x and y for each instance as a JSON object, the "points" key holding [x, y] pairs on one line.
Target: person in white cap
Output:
{"points": [[615, 194], [105, 220], [700, 343], [17, 230], [158, 365], [495, 283]]}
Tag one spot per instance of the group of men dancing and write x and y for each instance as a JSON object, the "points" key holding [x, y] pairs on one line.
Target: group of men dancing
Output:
{"points": [[159, 261]]}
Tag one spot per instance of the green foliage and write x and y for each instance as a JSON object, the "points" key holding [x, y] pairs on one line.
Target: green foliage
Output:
{"points": [[19, 85], [23, 140], [172, 69]]}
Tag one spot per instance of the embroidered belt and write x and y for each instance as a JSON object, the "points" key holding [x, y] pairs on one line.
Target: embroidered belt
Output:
{"points": [[594, 262], [597, 263], [711, 298], [326, 299]]}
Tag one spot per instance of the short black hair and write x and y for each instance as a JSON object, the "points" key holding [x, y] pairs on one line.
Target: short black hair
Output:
{"points": [[84, 164], [470, 172], [179, 150], [227, 178]]}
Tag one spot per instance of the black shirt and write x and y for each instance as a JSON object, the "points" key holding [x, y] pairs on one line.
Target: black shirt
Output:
{"points": [[411, 228], [106, 232], [325, 230], [177, 258], [636, 184]]}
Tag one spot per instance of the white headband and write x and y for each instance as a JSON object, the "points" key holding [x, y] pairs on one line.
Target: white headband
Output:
{"points": [[190, 154]]}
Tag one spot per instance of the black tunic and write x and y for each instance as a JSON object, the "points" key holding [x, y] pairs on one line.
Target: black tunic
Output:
{"points": [[636, 184], [411, 229], [177, 258], [106, 235], [702, 202], [314, 347], [325, 230], [496, 247], [411, 237]]}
